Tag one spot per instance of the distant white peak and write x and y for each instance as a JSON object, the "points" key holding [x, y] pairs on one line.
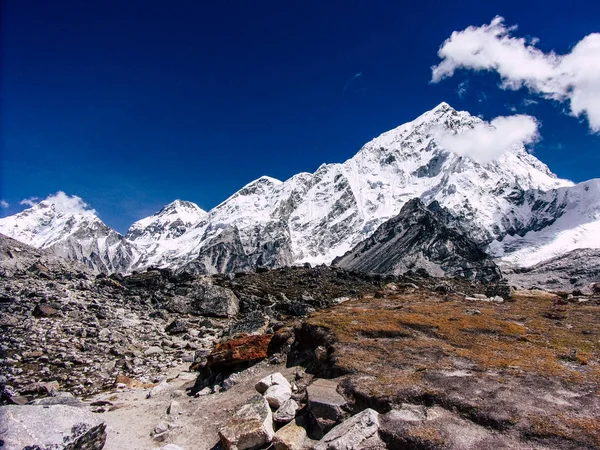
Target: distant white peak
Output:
{"points": [[259, 185], [181, 206], [265, 180]]}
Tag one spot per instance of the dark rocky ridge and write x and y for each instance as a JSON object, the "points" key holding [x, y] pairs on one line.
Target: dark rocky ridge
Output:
{"points": [[421, 237]]}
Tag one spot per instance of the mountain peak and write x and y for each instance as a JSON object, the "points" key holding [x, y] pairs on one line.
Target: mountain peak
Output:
{"points": [[181, 207], [169, 222], [443, 106]]}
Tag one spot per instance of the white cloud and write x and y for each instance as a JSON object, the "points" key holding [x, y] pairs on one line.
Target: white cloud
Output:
{"points": [[31, 201], [573, 77], [487, 141], [68, 203], [4, 204], [62, 202], [462, 88]]}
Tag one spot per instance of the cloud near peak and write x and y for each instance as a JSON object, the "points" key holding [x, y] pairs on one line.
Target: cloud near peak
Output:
{"points": [[487, 141], [573, 77], [61, 201]]}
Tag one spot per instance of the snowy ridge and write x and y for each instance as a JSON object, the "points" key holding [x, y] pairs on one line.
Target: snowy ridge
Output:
{"points": [[512, 204], [577, 228]]}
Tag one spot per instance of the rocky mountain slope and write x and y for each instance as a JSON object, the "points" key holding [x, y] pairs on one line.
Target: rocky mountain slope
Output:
{"points": [[421, 237], [573, 270], [513, 205]]}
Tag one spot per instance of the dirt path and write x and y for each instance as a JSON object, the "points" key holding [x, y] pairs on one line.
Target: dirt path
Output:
{"points": [[133, 417]]}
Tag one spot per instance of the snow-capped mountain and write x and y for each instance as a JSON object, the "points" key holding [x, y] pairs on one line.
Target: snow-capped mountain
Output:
{"points": [[507, 204], [170, 222], [65, 226], [576, 227]]}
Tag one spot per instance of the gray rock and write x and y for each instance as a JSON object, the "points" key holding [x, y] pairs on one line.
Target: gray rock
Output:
{"points": [[287, 411], [216, 301], [71, 427], [325, 404], [250, 427], [60, 398], [153, 351], [357, 433]]}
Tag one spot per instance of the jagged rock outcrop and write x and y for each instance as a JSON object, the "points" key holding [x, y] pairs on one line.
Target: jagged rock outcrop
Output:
{"points": [[421, 237]]}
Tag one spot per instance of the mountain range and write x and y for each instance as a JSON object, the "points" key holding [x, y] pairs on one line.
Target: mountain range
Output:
{"points": [[513, 208]]}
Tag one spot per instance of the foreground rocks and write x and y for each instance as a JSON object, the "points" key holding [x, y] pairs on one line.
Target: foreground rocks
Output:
{"points": [[249, 428], [359, 432], [56, 427]]}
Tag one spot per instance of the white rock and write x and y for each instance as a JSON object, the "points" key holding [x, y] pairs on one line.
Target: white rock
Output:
{"points": [[268, 381], [354, 433], [174, 407], [277, 394], [250, 427], [159, 388]]}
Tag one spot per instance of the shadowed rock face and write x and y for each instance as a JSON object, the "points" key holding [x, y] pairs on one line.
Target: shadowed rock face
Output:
{"points": [[421, 238]]}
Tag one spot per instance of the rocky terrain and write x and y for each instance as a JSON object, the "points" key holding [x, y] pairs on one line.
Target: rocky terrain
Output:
{"points": [[302, 357], [421, 237]]}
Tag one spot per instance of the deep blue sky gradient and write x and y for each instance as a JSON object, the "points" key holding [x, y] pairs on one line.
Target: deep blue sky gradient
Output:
{"points": [[132, 104]]}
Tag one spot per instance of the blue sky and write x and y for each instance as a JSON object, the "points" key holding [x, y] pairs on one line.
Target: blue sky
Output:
{"points": [[133, 104]]}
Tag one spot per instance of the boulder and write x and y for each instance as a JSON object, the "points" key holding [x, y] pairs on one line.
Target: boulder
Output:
{"points": [[244, 350], [41, 388], [270, 380], [57, 426], [174, 407], [158, 389], [60, 398], [44, 310], [287, 411], [325, 404], [290, 437], [357, 433], [178, 326], [250, 427], [215, 301], [278, 394]]}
